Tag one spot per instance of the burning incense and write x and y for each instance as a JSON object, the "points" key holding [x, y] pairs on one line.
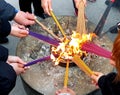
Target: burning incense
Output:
{"points": [[38, 60], [45, 28], [82, 65], [44, 38], [66, 74], [81, 28], [57, 22], [93, 48]]}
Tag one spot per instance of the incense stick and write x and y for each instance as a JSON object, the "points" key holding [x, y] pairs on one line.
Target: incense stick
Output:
{"points": [[82, 65], [93, 48], [81, 28], [66, 74], [44, 38], [36, 61], [45, 28], [57, 22]]}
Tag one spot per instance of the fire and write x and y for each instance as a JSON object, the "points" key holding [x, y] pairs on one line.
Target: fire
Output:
{"points": [[69, 47]]}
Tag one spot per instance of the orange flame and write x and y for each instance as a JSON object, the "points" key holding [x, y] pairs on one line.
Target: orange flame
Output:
{"points": [[70, 47]]}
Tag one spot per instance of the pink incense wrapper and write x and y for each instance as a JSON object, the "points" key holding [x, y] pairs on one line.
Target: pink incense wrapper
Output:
{"points": [[93, 48]]}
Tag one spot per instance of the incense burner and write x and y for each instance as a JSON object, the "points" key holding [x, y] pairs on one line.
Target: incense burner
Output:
{"points": [[44, 78]]}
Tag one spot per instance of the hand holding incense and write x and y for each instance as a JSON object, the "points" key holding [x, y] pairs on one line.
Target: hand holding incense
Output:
{"points": [[82, 65]]}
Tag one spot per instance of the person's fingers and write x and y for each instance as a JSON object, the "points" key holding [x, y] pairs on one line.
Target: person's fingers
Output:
{"points": [[30, 16], [21, 27], [16, 59], [29, 22], [19, 60], [43, 4], [29, 19], [23, 33], [47, 11], [92, 81], [59, 91], [94, 76], [27, 67], [49, 6], [21, 70], [85, 2], [24, 18], [20, 65]]}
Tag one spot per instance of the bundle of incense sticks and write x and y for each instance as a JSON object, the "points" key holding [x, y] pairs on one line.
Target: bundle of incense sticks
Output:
{"points": [[57, 23], [82, 65], [44, 38], [81, 27], [93, 48], [38, 60], [66, 74]]}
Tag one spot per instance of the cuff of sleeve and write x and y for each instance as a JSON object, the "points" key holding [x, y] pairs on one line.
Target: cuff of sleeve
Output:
{"points": [[101, 81]]}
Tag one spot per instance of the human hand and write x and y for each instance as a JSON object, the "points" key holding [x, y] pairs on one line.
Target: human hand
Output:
{"points": [[95, 76], [47, 6], [112, 62], [19, 30], [78, 1], [65, 91], [24, 18], [17, 64]]}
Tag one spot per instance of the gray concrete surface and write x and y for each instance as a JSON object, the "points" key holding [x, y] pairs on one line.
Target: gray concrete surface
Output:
{"points": [[94, 12]]}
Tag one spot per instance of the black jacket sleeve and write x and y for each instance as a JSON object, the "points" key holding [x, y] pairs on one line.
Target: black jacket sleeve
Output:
{"points": [[7, 11], [7, 78], [108, 86], [5, 28], [7, 73], [3, 53]]}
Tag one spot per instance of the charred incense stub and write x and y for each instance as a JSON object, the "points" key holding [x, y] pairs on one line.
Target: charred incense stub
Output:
{"points": [[45, 78]]}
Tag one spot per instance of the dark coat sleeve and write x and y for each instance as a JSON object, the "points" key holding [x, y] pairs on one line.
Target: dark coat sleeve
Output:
{"points": [[7, 78], [7, 73], [108, 86], [5, 28], [7, 11], [3, 53]]}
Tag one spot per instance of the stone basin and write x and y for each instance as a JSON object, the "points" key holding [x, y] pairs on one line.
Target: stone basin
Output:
{"points": [[44, 78]]}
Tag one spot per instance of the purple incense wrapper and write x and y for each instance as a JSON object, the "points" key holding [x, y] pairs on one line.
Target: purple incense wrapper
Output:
{"points": [[38, 60], [44, 38]]}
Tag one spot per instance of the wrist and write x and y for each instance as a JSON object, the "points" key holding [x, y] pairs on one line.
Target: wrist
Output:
{"points": [[15, 13]]}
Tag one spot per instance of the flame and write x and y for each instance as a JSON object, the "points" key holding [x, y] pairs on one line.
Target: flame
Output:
{"points": [[69, 47]]}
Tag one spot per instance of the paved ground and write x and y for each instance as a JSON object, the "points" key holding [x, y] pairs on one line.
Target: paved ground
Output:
{"points": [[94, 12]]}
